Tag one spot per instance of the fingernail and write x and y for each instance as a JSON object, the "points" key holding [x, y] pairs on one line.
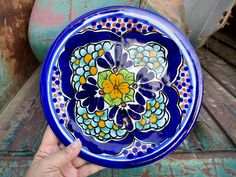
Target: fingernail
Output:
{"points": [[75, 144]]}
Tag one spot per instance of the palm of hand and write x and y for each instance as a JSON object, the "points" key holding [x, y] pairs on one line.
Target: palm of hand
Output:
{"points": [[53, 159]]}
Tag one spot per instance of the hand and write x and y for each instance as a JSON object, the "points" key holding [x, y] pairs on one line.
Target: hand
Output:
{"points": [[56, 160]]}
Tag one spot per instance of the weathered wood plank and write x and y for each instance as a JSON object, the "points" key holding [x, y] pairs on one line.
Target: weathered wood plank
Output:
{"points": [[23, 123], [206, 136], [222, 71], [225, 38], [182, 164], [14, 166], [190, 144], [219, 48], [211, 137], [29, 137], [221, 105]]}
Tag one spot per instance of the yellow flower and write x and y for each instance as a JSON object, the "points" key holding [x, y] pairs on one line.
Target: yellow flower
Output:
{"points": [[115, 86]]}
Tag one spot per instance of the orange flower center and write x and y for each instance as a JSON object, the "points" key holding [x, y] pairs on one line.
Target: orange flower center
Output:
{"points": [[115, 87]]}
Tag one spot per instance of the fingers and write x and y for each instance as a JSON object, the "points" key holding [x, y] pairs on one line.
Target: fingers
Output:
{"points": [[49, 138], [48, 145], [89, 169], [61, 146], [65, 155], [78, 162]]}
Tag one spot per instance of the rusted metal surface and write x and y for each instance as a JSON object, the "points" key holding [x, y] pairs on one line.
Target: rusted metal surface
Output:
{"points": [[16, 60], [55, 15]]}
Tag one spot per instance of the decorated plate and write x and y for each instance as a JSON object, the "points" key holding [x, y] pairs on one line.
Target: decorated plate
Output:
{"points": [[126, 82]]}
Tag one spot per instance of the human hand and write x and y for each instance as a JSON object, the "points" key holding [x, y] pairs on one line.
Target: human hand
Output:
{"points": [[53, 159]]}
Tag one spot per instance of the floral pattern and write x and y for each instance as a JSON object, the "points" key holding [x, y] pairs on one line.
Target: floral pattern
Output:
{"points": [[156, 115], [83, 64], [98, 125], [118, 89], [151, 55], [88, 96]]}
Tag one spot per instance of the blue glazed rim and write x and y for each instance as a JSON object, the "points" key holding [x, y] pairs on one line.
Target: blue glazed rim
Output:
{"points": [[113, 162]]}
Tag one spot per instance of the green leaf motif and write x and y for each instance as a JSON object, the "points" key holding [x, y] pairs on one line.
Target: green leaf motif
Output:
{"points": [[102, 77], [129, 96], [128, 77], [112, 102]]}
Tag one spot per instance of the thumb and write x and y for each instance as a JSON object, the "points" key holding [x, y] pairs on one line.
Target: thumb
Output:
{"points": [[65, 155]]}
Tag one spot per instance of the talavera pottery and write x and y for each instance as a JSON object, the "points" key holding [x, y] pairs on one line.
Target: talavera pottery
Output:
{"points": [[126, 82]]}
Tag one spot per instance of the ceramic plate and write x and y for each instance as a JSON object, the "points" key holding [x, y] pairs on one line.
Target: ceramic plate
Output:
{"points": [[126, 82]]}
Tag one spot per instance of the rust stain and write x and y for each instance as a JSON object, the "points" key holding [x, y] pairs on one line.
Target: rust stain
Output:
{"points": [[16, 58]]}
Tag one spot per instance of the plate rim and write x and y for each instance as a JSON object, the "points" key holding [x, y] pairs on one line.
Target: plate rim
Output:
{"points": [[44, 95]]}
